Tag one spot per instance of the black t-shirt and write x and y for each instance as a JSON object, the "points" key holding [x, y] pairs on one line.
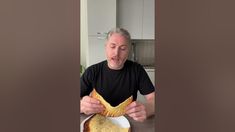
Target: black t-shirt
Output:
{"points": [[115, 86]]}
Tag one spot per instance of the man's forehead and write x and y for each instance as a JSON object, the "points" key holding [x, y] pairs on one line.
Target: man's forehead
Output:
{"points": [[118, 39], [118, 44]]}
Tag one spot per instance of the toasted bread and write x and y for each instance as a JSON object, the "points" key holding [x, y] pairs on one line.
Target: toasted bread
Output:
{"points": [[110, 110], [100, 123]]}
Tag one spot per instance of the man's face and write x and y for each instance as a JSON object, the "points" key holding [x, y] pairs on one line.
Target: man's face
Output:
{"points": [[117, 51]]}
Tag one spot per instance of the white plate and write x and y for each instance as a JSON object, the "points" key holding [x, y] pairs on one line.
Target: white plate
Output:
{"points": [[121, 121]]}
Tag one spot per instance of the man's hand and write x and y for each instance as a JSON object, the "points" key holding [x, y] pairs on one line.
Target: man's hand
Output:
{"points": [[89, 105], [137, 111]]}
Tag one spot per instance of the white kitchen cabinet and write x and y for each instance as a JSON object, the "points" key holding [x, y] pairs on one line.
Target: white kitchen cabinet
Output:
{"points": [[137, 16], [96, 50], [101, 16], [151, 74], [130, 16], [148, 19]]}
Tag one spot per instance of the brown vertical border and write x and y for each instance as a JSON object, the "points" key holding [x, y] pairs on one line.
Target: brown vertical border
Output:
{"points": [[157, 108], [40, 54], [77, 64], [195, 73]]}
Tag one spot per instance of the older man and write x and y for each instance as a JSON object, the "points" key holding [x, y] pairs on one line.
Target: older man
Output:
{"points": [[116, 79]]}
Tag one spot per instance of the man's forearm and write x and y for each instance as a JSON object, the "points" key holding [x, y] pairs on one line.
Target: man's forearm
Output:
{"points": [[150, 108], [150, 104]]}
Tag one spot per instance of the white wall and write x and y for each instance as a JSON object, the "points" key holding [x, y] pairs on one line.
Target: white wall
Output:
{"points": [[83, 33]]}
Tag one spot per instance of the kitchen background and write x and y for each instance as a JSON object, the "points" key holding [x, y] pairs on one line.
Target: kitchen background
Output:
{"points": [[137, 16]]}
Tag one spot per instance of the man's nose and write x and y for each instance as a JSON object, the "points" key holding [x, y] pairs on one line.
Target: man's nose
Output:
{"points": [[116, 52]]}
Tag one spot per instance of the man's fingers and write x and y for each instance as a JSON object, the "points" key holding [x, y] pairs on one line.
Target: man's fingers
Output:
{"points": [[94, 101], [93, 106], [131, 105], [91, 100], [137, 111], [140, 119], [134, 107], [137, 114], [134, 110], [92, 111]]}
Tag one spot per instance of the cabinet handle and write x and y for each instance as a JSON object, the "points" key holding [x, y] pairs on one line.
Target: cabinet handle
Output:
{"points": [[101, 38], [99, 33]]}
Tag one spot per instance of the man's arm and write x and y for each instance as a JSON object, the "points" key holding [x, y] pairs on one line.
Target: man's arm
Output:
{"points": [[150, 104]]}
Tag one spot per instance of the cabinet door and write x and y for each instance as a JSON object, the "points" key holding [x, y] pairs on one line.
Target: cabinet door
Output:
{"points": [[101, 16], [130, 16], [96, 50], [151, 74], [148, 19]]}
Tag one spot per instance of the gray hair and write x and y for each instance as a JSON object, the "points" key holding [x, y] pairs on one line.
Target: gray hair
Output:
{"points": [[122, 32]]}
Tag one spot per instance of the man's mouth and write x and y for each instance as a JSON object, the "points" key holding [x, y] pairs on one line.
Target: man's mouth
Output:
{"points": [[115, 59]]}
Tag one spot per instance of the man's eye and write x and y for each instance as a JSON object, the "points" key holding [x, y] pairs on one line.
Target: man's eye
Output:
{"points": [[123, 48]]}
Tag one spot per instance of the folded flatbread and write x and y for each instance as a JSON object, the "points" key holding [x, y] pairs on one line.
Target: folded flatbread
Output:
{"points": [[100, 123], [110, 110]]}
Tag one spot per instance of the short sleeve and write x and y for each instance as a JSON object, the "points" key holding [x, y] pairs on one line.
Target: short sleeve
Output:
{"points": [[86, 82], [145, 84]]}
